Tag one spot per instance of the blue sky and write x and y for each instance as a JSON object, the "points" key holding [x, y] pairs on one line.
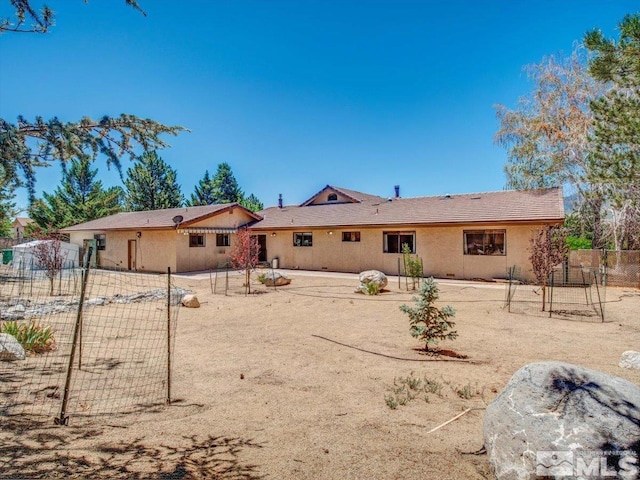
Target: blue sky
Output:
{"points": [[295, 95]]}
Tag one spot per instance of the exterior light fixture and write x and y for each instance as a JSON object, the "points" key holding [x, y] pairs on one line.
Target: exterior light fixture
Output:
{"points": [[273, 234]]}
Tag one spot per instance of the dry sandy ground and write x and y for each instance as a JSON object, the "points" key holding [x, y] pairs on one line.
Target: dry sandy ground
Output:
{"points": [[263, 389]]}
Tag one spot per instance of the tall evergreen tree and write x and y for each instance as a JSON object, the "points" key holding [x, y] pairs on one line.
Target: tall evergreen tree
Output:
{"points": [[204, 192], [7, 210], [79, 198], [616, 133], [151, 184], [252, 203], [225, 185], [222, 188]]}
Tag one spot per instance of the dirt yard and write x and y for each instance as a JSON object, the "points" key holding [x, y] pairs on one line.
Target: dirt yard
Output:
{"points": [[295, 384]]}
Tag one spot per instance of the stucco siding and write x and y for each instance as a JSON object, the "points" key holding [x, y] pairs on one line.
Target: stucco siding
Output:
{"points": [[192, 258], [441, 250]]}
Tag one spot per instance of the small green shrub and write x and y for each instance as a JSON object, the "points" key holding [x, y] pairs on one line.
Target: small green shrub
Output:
{"points": [[408, 388], [432, 386], [391, 401], [262, 278], [428, 322], [467, 392], [412, 266], [32, 336], [372, 288]]}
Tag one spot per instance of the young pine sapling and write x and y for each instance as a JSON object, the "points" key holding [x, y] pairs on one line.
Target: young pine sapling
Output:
{"points": [[428, 322]]}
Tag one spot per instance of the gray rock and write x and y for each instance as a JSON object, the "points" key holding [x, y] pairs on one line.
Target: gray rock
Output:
{"points": [[552, 416], [371, 276], [19, 308], [276, 279], [10, 348], [630, 359], [97, 301], [190, 301]]}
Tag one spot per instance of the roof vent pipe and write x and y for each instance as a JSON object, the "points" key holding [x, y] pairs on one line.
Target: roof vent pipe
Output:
{"points": [[280, 201], [397, 189]]}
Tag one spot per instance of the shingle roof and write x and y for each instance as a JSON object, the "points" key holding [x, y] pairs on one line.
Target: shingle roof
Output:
{"points": [[488, 207], [155, 218]]}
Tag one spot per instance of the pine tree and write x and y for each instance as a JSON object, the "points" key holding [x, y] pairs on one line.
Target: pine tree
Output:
{"points": [[7, 210], [204, 192], [429, 323], [225, 185], [616, 135], [79, 198], [252, 203], [152, 185]]}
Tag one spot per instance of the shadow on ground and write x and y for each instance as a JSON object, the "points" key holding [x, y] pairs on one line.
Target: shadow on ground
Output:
{"points": [[53, 452]]}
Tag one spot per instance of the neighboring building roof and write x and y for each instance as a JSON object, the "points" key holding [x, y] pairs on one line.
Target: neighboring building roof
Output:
{"points": [[489, 207], [157, 219], [354, 196], [22, 221]]}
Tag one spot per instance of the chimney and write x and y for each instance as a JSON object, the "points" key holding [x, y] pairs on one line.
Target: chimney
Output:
{"points": [[280, 201], [397, 189]]}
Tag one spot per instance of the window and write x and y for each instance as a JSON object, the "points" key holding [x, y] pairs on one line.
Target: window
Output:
{"points": [[223, 240], [350, 236], [333, 197], [484, 242], [394, 241], [302, 239], [196, 240], [101, 241]]}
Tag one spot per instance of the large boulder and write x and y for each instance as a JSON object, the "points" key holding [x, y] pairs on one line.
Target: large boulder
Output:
{"points": [[558, 420], [276, 279], [371, 276], [630, 359], [10, 348]]}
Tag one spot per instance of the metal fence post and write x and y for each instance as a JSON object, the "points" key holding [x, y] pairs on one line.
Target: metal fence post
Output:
{"points": [[63, 419], [168, 335], [551, 294]]}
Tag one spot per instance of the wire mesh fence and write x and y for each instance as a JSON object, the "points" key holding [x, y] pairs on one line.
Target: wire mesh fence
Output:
{"points": [[225, 280], [571, 293], [110, 344]]}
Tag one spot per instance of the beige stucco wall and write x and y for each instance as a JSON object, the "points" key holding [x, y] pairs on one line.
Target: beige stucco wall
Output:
{"points": [[157, 250], [441, 249], [153, 251], [191, 259]]}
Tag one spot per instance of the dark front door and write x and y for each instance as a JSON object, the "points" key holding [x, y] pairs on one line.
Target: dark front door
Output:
{"points": [[262, 241], [132, 255]]}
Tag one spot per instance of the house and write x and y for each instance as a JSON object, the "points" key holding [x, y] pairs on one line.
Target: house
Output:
{"points": [[18, 226], [183, 239], [477, 235]]}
